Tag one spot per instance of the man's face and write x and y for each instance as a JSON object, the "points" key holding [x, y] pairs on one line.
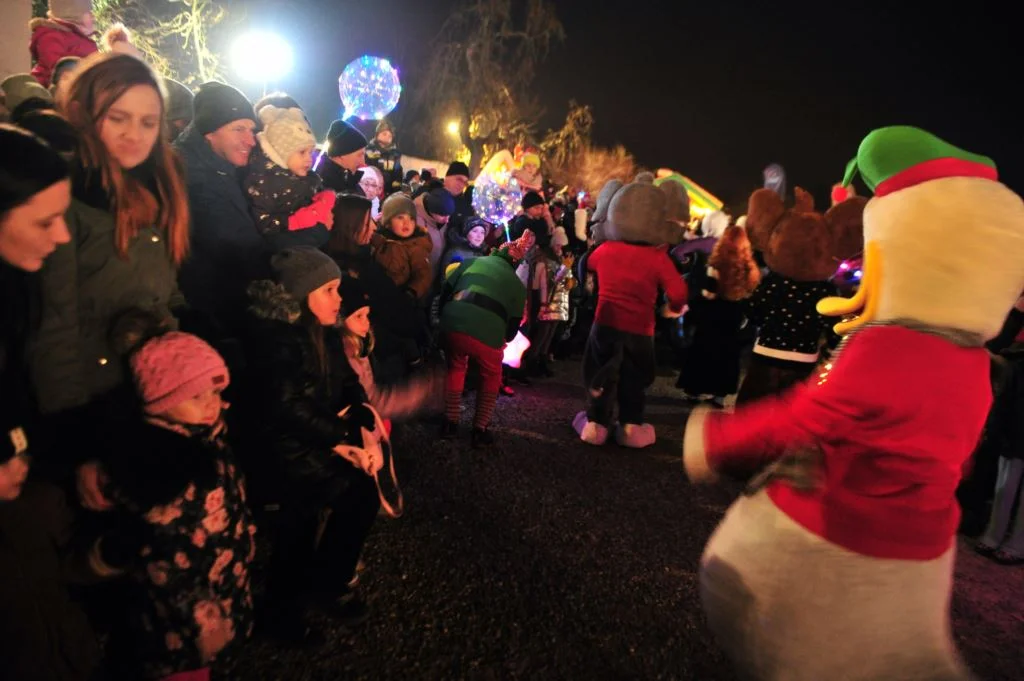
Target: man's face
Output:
{"points": [[456, 184], [234, 141], [352, 161], [534, 212]]}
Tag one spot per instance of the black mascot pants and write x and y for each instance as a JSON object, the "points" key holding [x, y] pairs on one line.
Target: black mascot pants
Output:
{"points": [[618, 367]]}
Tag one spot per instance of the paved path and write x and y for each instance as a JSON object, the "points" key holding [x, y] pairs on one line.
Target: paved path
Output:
{"points": [[545, 558]]}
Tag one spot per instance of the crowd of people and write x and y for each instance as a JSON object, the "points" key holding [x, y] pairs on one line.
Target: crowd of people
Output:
{"points": [[164, 253]]}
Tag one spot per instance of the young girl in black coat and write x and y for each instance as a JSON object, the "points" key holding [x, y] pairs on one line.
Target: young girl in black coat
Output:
{"points": [[308, 405]]}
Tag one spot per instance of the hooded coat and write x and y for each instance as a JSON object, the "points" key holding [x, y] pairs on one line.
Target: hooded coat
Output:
{"points": [[54, 39]]}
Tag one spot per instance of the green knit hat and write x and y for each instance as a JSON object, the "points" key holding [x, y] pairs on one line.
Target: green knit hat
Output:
{"points": [[901, 156]]}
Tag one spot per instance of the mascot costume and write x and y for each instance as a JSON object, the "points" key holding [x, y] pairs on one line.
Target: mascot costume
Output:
{"points": [[629, 269], [802, 249], [838, 560], [481, 303]]}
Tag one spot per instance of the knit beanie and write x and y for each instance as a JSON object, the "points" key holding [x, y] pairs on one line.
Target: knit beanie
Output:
{"points": [[472, 223], [217, 104], [343, 139], [353, 296], [397, 204], [21, 87], [457, 168], [531, 199], [439, 202], [175, 367], [285, 131], [302, 270], [69, 10], [179, 101]]}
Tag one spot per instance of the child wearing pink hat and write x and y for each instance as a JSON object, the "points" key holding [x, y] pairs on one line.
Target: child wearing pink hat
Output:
{"points": [[186, 540]]}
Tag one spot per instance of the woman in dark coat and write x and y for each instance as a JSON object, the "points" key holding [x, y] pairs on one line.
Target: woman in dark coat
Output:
{"points": [[711, 364], [129, 225], [397, 322], [45, 634], [306, 403]]}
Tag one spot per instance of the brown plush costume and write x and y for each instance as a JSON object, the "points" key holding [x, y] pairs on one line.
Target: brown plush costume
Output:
{"points": [[802, 249]]}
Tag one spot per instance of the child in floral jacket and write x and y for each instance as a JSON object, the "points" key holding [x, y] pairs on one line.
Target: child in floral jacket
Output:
{"points": [[187, 538]]}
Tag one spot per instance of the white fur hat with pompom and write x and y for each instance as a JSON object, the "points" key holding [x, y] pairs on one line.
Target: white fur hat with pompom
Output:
{"points": [[285, 131]]}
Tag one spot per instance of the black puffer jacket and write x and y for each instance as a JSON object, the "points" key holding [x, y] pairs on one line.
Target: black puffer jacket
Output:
{"points": [[290, 404]]}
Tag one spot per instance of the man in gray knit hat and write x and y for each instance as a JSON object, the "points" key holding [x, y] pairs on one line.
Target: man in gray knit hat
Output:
{"points": [[179, 107]]}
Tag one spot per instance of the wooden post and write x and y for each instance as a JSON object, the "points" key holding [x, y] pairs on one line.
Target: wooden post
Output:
{"points": [[14, 36]]}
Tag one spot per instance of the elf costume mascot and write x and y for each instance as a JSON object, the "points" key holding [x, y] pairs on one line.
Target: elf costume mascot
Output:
{"points": [[630, 268], [482, 303], [837, 563]]}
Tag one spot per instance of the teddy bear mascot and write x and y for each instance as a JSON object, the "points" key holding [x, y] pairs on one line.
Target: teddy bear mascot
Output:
{"points": [[802, 249], [837, 562], [629, 268]]}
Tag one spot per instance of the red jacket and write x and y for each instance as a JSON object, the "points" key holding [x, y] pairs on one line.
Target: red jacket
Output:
{"points": [[53, 39], [629, 277], [896, 419]]}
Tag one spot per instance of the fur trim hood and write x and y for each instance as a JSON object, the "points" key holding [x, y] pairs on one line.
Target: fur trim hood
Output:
{"points": [[269, 301], [57, 25]]}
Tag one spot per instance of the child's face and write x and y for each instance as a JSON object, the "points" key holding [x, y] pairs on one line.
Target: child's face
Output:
{"points": [[325, 303], [301, 161], [385, 137], [402, 225], [476, 236], [202, 410], [88, 22], [358, 323], [12, 477]]}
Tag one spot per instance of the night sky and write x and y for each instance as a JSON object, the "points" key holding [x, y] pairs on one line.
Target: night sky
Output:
{"points": [[719, 90]]}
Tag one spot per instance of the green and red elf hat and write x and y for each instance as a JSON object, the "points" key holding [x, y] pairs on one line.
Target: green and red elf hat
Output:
{"points": [[901, 156]]}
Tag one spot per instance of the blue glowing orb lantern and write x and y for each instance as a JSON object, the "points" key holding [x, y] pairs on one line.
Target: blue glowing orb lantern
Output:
{"points": [[369, 88]]}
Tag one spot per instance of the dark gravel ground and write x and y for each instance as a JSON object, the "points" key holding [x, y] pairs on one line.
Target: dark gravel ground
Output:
{"points": [[545, 558]]}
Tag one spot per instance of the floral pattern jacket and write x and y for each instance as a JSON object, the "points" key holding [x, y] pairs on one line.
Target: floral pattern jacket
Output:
{"points": [[188, 553]]}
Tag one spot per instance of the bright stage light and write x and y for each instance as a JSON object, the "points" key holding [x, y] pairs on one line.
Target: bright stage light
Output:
{"points": [[262, 57], [453, 127]]}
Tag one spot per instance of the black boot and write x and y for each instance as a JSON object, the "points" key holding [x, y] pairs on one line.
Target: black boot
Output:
{"points": [[481, 438]]}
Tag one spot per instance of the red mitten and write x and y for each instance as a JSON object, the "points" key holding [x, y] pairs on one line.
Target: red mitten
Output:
{"points": [[305, 217], [325, 198]]}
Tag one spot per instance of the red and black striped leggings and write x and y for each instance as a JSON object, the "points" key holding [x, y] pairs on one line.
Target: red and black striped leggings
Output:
{"points": [[459, 349]]}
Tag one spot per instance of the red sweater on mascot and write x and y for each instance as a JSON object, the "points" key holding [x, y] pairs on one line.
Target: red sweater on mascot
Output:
{"points": [[631, 268]]}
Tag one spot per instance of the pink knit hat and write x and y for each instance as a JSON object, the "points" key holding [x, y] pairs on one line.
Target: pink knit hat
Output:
{"points": [[175, 367]]}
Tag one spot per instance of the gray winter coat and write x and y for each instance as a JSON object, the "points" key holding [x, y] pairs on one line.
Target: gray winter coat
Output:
{"points": [[85, 287]]}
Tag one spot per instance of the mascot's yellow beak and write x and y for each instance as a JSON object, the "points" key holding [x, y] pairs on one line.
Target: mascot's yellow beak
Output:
{"points": [[864, 304]]}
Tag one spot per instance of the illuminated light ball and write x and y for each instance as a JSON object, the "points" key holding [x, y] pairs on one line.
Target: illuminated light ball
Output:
{"points": [[497, 199], [369, 88], [858, 274]]}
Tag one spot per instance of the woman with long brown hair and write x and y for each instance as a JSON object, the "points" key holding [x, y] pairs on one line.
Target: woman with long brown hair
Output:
{"points": [[394, 315], [129, 225], [711, 365]]}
